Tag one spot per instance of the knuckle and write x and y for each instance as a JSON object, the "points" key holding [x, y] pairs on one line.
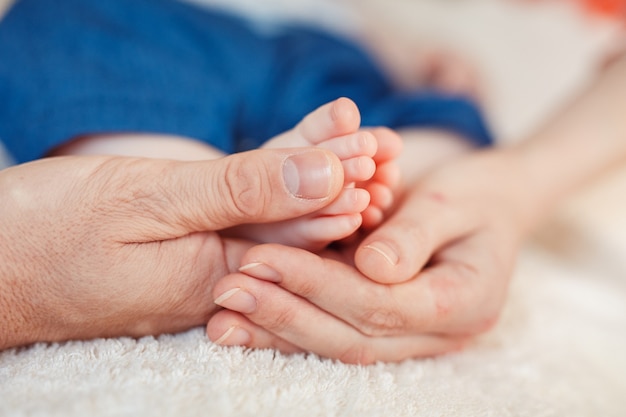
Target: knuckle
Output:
{"points": [[444, 297], [307, 289], [382, 321], [280, 321], [244, 188], [462, 303], [133, 192], [449, 290]]}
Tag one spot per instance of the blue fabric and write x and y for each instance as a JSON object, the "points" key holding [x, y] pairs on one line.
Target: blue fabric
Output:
{"points": [[75, 67]]}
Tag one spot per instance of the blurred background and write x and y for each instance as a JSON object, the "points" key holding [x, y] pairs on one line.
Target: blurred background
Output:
{"points": [[531, 54]]}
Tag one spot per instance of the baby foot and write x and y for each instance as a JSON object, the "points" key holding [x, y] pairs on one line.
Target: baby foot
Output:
{"points": [[334, 126], [382, 186]]}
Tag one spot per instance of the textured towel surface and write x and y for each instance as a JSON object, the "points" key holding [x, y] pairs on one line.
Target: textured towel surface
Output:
{"points": [[559, 350]]}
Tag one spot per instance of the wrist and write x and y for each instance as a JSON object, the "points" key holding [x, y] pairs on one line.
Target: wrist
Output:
{"points": [[516, 185], [545, 176], [581, 141]]}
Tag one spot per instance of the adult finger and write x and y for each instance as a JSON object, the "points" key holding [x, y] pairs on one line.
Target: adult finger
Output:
{"points": [[403, 244], [303, 324], [158, 199], [454, 295], [228, 328]]}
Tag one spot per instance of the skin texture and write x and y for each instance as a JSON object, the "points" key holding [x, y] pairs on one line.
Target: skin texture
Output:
{"points": [[108, 246]]}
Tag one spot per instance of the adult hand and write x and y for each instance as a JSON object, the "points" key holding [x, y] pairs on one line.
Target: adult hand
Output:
{"points": [[431, 277], [104, 246], [440, 266]]}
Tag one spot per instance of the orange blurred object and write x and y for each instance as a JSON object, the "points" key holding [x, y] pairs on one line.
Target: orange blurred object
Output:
{"points": [[614, 8]]}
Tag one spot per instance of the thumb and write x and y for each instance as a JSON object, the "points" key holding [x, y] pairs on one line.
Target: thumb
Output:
{"points": [[403, 245], [259, 186]]}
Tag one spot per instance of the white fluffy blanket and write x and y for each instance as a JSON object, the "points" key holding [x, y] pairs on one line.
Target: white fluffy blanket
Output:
{"points": [[559, 350]]}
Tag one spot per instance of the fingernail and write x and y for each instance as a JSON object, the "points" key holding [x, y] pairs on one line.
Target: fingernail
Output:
{"points": [[384, 250], [261, 271], [308, 174], [237, 299], [234, 336]]}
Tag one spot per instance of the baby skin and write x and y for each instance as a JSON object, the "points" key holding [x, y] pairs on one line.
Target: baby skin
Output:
{"points": [[367, 156]]}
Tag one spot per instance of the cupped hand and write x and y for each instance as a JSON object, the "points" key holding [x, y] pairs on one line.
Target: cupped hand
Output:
{"points": [[104, 246], [434, 275]]}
